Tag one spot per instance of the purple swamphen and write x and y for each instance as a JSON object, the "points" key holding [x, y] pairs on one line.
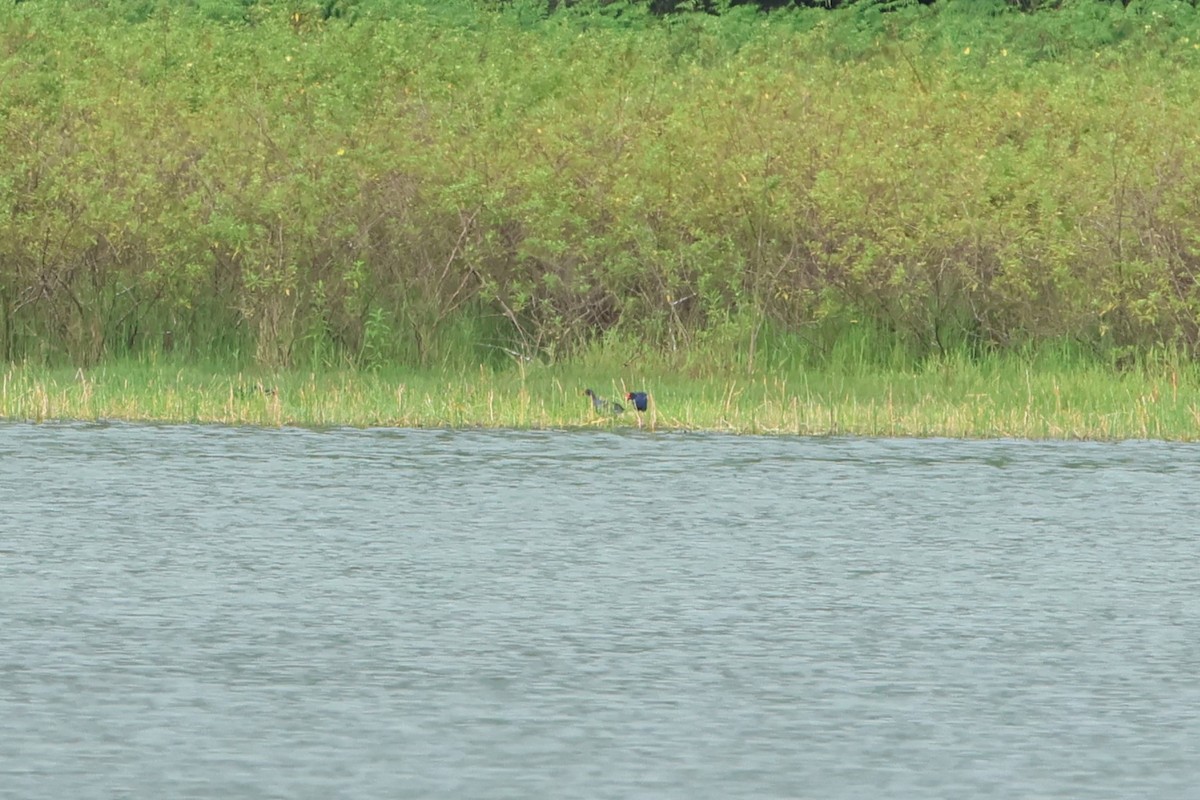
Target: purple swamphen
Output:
{"points": [[638, 399], [601, 405]]}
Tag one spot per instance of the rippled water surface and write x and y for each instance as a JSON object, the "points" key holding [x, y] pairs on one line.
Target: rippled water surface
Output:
{"points": [[206, 612]]}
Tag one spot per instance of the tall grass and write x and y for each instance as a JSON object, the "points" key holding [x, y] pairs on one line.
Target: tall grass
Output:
{"points": [[1054, 395]]}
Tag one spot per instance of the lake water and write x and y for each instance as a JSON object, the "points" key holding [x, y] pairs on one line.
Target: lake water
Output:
{"points": [[206, 612]]}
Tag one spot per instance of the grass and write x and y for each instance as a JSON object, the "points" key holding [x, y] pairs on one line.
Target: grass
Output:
{"points": [[996, 397]]}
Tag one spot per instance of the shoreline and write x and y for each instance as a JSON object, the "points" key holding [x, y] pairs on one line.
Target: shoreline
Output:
{"points": [[955, 401]]}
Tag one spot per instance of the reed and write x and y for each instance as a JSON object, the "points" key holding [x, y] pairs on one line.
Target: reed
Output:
{"points": [[1001, 396]]}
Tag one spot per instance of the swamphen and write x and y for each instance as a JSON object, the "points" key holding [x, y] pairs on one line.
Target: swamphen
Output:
{"points": [[601, 405], [638, 399]]}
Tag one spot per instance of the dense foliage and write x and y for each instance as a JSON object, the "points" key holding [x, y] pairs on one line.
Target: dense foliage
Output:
{"points": [[377, 181]]}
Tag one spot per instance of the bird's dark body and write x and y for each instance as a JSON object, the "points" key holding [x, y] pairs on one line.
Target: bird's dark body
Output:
{"points": [[601, 405], [638, 399]]}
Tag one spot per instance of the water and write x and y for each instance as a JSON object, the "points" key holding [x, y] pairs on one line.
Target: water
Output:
{"points": [[205, 612]]}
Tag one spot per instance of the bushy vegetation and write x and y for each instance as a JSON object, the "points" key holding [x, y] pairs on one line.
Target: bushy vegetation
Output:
{"points": [[379, 182]]}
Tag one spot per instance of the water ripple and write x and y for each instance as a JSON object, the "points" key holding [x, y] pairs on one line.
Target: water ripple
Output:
{"points": [[204, 612]]}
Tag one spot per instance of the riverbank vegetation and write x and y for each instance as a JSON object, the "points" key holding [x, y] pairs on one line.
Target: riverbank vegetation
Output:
{"points": [[312, 190], [1050, 396]]}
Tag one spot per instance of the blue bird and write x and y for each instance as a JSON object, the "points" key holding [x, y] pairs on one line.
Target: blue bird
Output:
{"points": [[638, 399]]}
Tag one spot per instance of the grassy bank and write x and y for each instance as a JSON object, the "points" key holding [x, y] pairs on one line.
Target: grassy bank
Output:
{"points": [[356, 211], [999, 397]]}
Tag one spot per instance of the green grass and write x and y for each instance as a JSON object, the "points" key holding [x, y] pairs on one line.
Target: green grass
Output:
{"points": [[1000, 396]]}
